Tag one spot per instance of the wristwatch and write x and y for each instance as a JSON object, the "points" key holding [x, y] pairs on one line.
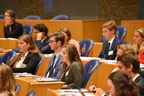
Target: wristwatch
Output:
{"points": [[106, 94]]}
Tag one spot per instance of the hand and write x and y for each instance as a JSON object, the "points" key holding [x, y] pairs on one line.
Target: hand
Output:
{"points": [[39, 36], [93, 88], [99, 92], [8, 22]]}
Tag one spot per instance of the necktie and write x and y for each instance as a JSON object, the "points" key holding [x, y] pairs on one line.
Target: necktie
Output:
{"points": [[107, 50], [51, 68]]}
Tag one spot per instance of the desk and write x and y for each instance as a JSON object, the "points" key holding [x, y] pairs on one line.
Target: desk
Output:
{"points": [[28, 84], [8, 43]]}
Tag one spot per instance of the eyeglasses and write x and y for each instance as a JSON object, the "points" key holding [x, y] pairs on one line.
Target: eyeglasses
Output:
{"points": [[52, 41]]}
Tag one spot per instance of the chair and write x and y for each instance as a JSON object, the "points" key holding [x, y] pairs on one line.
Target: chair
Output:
{"points": [[27, 29], [1, 16], [42, 58], [32, 17], [7, 57], [89, 69], [120, 33], [126, 42], [61, 17], [17, 88], [32, 93], [85, 46]]}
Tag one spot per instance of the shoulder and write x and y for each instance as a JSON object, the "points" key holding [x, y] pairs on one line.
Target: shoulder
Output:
{"points": [[33, 54], [74, 64], [116, 40], [18, 24], [72, 41]]}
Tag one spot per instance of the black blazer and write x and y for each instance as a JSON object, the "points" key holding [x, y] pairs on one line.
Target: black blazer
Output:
{"points": [[140, 82], [113, 49], [31, 61]]}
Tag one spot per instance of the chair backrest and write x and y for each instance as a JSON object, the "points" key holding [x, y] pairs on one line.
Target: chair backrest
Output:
{"points": [[61, 17], [8, 57], [121, 32], [32, 93], [27, 29], [89, 68], [126, 42], [42, 59], [1, 16], [85, 46], [32, 17], [17, 88]]}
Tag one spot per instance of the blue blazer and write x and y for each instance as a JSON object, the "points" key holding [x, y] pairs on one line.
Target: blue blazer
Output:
{"points": [[113, 49], [56, 70], [140, 82]]}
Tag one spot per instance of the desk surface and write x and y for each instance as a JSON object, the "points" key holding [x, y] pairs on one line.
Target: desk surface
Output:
{"points": [[30, 84]]}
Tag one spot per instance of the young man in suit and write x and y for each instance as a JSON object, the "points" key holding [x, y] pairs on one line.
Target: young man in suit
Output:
{"points": [[129, 64], [56, 42], [109, 48]]}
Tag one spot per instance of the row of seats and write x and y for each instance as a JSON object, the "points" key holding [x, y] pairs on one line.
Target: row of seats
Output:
{"points": [[35, 17]]}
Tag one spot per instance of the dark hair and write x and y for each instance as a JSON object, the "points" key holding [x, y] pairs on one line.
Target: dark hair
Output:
{"points": [[42, 28], [11, 13], [123, 84], [67, 31], [128, 59], [73, 56], [58, 37]]}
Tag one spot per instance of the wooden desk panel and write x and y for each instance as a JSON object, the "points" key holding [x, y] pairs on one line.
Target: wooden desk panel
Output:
{"points": [[131, 26], [80, 29]]}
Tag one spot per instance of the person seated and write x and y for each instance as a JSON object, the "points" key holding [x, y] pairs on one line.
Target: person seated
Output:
{"points": [[131, 66], [28, 57], [7, 81], [12, 29], [72, 69], [56, 42], [109, 48], [68, 39], [41, 39]]}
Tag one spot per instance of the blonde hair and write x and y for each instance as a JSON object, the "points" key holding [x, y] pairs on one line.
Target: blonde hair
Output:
{"points": [[7, 80], [141, 32], [110, 25]]}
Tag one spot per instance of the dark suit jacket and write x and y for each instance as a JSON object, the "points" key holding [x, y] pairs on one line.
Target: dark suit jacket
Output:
{"points": [[43, 47], [113, 49], [56, 70], [140, 82], [31, 61]]}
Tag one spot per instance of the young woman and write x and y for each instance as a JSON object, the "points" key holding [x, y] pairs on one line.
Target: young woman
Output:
{"points": [[139, 41], [12, 29], [72, 69], [29, 55], [68, 39], [7, 81]]}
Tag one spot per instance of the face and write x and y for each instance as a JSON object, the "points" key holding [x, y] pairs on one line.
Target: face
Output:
{"points": [[111, 87], [65, 57], [119, 53], [137, 38], [7, 17], [66, 37], [53, 43], [107, 33], [23, 46], [123, 68]]}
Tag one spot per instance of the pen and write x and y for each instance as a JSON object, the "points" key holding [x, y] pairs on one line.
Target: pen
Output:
{"points": [[91, 83]]}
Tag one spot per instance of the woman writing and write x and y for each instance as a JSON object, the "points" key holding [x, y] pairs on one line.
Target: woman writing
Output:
{"points": [[72, 69], [28, 57]]}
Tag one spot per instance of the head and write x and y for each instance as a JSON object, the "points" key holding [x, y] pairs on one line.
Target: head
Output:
{"points": [[128, 64], [57, 40], [126, 48], [139, 36], [10, 15], [7, 79], [109, 29], [66, 33], [120, 84], [70, 55], [40, 28], [27, 44]]}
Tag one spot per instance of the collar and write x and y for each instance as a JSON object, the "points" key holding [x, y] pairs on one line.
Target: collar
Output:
{"points": [[135, 77], [58, 54], [43, 39], [111, 41]]}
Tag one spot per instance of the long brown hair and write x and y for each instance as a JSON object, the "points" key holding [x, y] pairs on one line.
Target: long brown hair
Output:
{"points": [[67, 32], [11, 13], [7, 80], [123, 84], [73, 56]]}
